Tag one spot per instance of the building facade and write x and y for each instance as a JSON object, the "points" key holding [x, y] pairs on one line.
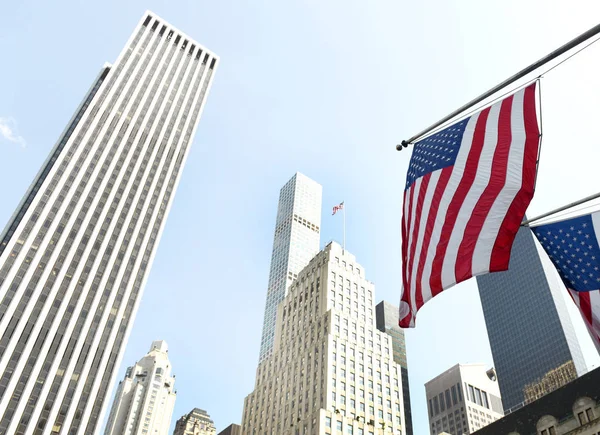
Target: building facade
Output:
{"points": [[296, 241], [463, 399], [197, 422], [527, 345], [552, 380], [75, 255], [145, 399], [387, 316], [331, 369], [232, 429], [572, 409]]}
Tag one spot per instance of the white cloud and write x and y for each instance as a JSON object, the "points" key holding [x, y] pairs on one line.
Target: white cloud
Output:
{"points": [[9, 131]]}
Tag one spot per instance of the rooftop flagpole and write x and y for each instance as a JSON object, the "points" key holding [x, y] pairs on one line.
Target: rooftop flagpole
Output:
{"points": [[551, 56], [344, 246]]}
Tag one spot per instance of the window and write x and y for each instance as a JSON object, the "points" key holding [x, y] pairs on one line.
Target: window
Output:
{"points": [[581, 417], [327, 421], [471, 394], [442, 404], [485, 399], [448, 402], [454, 400], [590, 414], [338, 425], [478, 396]]}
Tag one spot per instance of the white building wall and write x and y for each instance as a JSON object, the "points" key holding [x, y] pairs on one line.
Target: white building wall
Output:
{"points": [[462, 400], [75, 256], [145, 398], [330, 366]]}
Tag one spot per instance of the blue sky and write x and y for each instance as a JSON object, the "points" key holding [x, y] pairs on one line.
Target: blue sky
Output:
{"points": [[324, 88]]}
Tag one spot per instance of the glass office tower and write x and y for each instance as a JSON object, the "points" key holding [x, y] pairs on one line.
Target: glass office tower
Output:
{"points": [[528, 325], [75, 255], [296, 241], [386, 317]]}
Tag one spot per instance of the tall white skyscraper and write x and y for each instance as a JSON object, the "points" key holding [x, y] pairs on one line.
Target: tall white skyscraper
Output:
{"points": [[145, 398], [331, 371], [296, 241], [463, 399], [75, 255]]}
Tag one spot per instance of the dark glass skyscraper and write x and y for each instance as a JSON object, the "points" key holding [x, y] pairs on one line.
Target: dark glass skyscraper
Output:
{"points": [[387, 321], [527, 321]]}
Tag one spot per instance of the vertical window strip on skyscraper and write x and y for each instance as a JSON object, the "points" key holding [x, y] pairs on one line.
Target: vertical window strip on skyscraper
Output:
{"points": [[11, 409], [107, 320]]}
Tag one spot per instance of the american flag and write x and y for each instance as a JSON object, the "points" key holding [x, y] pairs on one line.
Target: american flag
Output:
{"points": [[573, 245], [337, 208], [467, 190]]}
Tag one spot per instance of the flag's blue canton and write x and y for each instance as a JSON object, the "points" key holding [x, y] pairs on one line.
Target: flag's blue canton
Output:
{"points": [[435, 152], [574, 250]]}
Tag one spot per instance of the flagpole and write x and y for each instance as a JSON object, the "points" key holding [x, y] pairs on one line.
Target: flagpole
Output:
{"points": [[344, 245], [564, 207], [551, 56]]}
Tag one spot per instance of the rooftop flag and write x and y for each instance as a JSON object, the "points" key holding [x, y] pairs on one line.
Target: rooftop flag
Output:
{"points": [[573, 245], [467, 189], [337, 208]]}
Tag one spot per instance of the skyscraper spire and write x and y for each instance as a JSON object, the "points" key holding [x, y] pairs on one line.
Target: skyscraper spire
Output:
{"points": [[146, 397]]}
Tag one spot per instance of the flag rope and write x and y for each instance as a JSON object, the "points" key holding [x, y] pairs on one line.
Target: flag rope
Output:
{"points": [[527, 70], [484, 105]]}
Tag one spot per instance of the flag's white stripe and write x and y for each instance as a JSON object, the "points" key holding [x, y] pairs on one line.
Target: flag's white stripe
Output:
{"points": [[482, 177], [595, 302], [594, 327], [416, 187], [433, 181], [514, 179], [449, 191], [596, 223]]}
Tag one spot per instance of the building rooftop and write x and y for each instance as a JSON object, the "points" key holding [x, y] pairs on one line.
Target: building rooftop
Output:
{"points": [[557, 404]]}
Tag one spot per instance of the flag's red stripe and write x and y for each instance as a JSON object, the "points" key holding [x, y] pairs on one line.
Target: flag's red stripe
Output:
{"points": [[435, 204], [585, 306], [457, 200], [419, 205], [405, 322], [466, 249], [408, 196], [510, 225]]}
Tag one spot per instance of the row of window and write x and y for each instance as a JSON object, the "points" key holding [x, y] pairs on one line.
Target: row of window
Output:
{"points": [[339, 426], [443, 400]]}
